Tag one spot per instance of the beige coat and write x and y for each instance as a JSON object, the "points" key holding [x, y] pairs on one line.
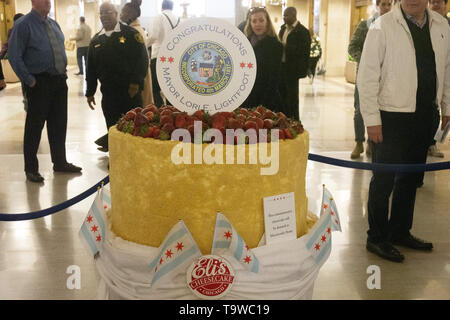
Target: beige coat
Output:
{"points": [[387, 76], [147, 93]]}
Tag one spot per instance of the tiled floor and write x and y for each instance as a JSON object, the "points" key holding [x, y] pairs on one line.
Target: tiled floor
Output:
{"points": [[35, 254]]}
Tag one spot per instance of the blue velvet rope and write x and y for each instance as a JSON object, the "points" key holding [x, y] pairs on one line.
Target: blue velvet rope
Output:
{"points": [[54, 209], [313, 157]]}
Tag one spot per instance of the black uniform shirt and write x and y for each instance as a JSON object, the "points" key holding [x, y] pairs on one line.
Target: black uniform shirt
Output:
{"points": [[117, 60]]}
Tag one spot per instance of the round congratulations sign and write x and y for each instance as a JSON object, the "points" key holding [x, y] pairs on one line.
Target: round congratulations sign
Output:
{"points": [[210, 277], [206, 64]]}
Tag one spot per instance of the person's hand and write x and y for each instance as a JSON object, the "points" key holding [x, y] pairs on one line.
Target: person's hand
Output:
{"points": [[445, 120], [2, 84], [91, 102], [375, 133], [133, 90]]}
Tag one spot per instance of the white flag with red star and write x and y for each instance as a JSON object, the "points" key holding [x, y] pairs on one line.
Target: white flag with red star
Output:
{"points": [[228, 241], [318, 239], [176, 253], [328, 203], [92, 232], [106, 197]]}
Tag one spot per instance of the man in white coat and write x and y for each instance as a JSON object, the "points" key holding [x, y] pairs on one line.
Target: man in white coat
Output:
{"points": [[161, 26], [403, 78]]}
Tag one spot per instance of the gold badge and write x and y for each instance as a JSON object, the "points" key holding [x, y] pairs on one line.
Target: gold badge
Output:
{"points": [[139, 37], [122, 39]]}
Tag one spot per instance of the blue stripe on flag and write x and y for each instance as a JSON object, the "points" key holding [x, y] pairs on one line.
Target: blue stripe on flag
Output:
{"points": [[87, 236], [98, 216], [177, 235], [222, 244], [324, 251], [317, 233], [255, 267], [175, 263], [239, 248], [106, 197], [223, 224]]}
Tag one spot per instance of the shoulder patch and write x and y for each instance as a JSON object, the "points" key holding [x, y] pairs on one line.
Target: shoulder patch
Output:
{"points": [[139, 37]]}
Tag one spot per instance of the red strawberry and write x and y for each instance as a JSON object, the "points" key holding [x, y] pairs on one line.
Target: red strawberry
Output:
{"points": [[140, 119], [250, 125], [268, 124], [156, 132], [166, 112], [149, 132], [288, 133], [166, 119], [243, 111], [269, 115], [260, 123], [190, 120], [234, 124], [168, 127], [130, 115], [241, 118], [198, 114], [255, 114], [219, 122], [180, 121], [283, 123], [150, 107], [138, 110], [260, 109], [282, 115], [150, 115]]}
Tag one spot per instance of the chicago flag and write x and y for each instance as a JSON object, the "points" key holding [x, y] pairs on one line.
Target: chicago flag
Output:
{"points": [[92, 232], [228, 241], [318, 239], [176, 253]]}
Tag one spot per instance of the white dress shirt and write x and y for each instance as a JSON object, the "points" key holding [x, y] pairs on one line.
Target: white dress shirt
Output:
{"points": [[159, 29]]}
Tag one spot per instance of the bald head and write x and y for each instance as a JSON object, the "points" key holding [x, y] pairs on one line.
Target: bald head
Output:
{"points": [[290, 15], [41, 6], [108, 16]]}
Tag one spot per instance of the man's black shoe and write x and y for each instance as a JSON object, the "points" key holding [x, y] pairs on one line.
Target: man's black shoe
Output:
{"points": [[385, 250], [414, 243], [103, 149], [34, 177], [66, 167]]}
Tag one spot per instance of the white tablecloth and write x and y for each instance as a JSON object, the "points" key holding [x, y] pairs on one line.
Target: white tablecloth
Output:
{"points": [[288, 271]]}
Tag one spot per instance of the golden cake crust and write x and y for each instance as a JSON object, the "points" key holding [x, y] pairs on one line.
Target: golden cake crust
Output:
{"points": [[150, 193]]}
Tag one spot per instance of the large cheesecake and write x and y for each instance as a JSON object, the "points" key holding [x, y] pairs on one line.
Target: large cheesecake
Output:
{"points": [[150, 193]]}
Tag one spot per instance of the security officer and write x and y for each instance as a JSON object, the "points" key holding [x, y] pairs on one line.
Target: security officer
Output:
{"points": [[118, 58]]}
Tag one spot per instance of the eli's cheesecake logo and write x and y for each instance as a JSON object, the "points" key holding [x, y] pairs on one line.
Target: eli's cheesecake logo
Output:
{"points": [[210, 277], [206, 68]]}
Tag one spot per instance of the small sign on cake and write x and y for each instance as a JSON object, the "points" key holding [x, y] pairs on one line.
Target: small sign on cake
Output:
{"points": [[279, 218]]}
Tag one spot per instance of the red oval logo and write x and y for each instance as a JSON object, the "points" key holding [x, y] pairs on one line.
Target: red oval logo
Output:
{"points": [[210, 277]]}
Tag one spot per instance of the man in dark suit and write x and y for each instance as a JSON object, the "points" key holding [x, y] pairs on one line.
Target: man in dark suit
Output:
{"points": [[296, 48]]}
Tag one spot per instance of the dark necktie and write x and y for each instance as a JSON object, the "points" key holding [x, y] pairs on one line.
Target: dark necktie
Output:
{"points": [[58, 55]]}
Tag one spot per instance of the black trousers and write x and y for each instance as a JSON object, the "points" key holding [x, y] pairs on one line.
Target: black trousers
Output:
{"points": [[155, 85], [406, 138], [47, 103], [289, 92], [81, 53], [115, 103]]}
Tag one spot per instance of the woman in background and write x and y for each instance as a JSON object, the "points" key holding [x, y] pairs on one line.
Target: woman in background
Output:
{"points": [[129, 15], [268, 50]]}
